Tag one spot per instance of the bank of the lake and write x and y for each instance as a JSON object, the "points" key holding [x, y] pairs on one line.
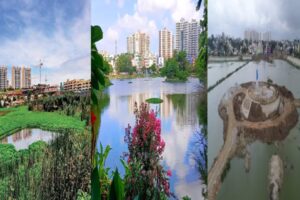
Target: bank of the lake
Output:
{"points": [[17, 118]]}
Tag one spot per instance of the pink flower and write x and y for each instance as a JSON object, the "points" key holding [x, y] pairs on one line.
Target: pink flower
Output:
{"points": [[169, 173]]}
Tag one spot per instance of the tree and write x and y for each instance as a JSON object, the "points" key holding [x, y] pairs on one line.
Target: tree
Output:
{"points": [[170, 69], [107, 68], [201, 62], [182, 60], [124, 64], [145, 175], [153, 68], [176, 67]]}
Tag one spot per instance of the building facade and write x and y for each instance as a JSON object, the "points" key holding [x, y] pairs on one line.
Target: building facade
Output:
{"points": [[25, 77], [267, 36], [3, 78], [252, 35], [138, 43], [16, 77], [165, 44], [187, 38], [77, 85]]}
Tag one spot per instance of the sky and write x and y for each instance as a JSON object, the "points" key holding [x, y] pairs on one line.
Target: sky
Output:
{"points": [[121, 18], [57, 32], [233, 17]]}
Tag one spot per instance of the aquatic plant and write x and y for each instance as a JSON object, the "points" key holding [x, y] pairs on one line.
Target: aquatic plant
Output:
{"points": [[154, 100]]}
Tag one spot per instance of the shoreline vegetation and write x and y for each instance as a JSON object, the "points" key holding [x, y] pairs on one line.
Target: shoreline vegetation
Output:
{"points": [[57, 169], [36, 174], [18, 118]]}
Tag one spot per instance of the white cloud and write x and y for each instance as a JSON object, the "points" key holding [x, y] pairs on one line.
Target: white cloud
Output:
{"points": [[112, 34], [126, 25], [148, 16], [234, 16], [179, 8], [120, 3], [57, 51]]}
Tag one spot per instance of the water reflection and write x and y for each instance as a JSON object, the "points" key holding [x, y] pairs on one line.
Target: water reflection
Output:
{"points": [[178, 114], [22, 139]]}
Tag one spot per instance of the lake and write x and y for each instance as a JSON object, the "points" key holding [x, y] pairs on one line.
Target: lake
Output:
{"points": [[179, 121], [254, 185], [22, 139]]}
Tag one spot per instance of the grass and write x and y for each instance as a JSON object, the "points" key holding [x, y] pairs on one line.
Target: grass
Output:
{"points": [[154, 100], [2, 113], [18, 118]]}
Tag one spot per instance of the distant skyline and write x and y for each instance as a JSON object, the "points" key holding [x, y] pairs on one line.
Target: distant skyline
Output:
{"points": [[233, 17], [120, 18], [58, 32]]}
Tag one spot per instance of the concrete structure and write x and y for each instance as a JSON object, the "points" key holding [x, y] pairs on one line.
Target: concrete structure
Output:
{"points": [[138, 43], [240, 131], [150, 60], [187, 38], [165, 44], [16, 77], [266, 97], [3, 78], [25, 77], [77, 85]]}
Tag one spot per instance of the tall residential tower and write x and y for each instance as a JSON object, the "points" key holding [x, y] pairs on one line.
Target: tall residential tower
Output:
{"points": [[25, 77], [3, 78], [187, 38], [16, 77], [165, 44], [138, 43]]}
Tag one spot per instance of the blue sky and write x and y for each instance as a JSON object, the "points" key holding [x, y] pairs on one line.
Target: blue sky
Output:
{"points": [[120, 18], [58, 32]]}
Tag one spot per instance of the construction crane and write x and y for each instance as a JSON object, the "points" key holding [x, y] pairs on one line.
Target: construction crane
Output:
{"points": [[40, 65]]}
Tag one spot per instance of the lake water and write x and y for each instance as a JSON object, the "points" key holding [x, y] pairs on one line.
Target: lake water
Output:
{"points": [[254, 185], [22, 139], [179, 120]]}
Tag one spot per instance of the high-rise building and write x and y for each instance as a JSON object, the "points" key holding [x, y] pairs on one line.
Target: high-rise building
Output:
{"points": [[3, 78], [16, 77], [267, 36], [165, 44], [138, 43], [187, 38], [252, 35], [25, 77]]}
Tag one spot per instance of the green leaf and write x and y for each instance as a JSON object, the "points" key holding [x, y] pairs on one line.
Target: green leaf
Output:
{"points": [[96, 193], [97, 34], [116, 191]]}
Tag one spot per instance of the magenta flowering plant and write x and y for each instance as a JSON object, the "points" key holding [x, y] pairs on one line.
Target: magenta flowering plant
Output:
{"points": [[145, 148]]}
